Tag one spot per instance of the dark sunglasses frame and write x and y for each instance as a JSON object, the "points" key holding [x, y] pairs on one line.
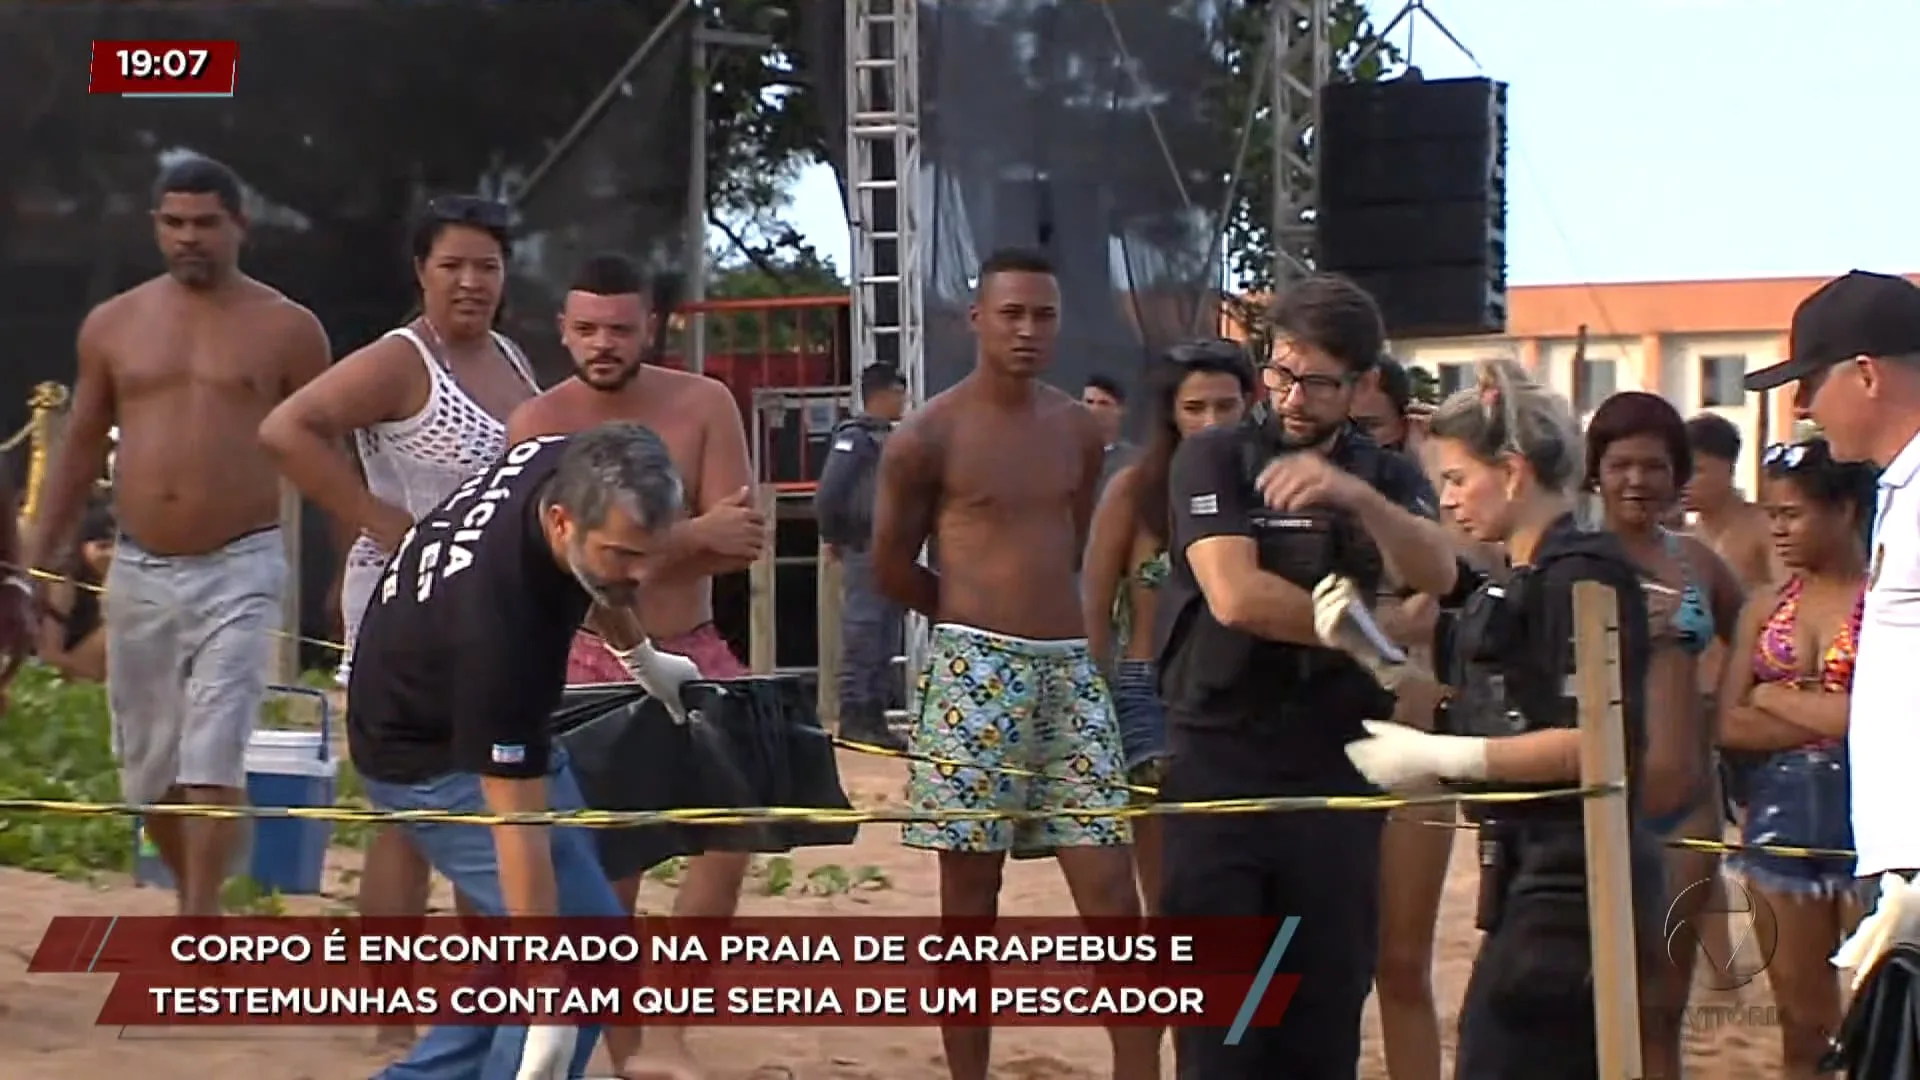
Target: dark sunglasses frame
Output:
{"points": [[1213, 351], [471, 210], [1790, 456]]}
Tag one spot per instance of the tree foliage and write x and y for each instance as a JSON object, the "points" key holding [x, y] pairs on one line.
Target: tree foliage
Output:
{"points": [[767, 118], [790, 271], [1358, 53], [438, 97], [1425, 385], [771, 115]]}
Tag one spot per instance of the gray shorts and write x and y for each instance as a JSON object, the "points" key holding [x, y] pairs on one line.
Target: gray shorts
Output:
{"points": [[189, 642]]}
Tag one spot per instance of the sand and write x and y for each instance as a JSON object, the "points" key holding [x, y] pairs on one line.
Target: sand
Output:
{"points": [[47, 1029]]}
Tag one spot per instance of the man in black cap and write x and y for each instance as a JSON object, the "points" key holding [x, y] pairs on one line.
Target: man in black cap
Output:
{"points": [[1855, 354]]}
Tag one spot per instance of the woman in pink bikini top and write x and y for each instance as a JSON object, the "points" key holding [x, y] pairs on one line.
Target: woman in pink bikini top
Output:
{"points": [[1783, 714], [1776, 654]]}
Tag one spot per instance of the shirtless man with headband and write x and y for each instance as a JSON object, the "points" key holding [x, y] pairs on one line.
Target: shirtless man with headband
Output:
{"points": [[607, 326]]}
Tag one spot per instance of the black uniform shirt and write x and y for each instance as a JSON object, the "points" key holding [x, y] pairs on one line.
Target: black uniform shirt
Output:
{"points": [[1227, 677], [844, 500], [462, 654], [1534, 653]]}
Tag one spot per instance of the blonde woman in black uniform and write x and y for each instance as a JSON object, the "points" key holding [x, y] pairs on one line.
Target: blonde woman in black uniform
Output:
{"points": [[1509, 458]]}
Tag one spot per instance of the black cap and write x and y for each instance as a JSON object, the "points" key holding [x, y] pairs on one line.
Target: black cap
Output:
{"points": [[1861, 314], [1395, 382]]}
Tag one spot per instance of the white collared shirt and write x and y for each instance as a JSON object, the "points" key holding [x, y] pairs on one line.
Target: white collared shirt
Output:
{"points": [[1883, 721]]}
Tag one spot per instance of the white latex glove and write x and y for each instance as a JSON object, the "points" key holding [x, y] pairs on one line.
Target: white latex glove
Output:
{"points": [[1397, 756], [660, 674], [1332, 599], [1896, 918], [547, 1053]]}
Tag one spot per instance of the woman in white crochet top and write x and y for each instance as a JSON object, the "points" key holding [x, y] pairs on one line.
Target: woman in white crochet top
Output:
{"points": [[425, 406]]}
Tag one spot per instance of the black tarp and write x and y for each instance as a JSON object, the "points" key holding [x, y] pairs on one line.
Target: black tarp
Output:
{"points": [[1880, 1039], [757, 743]]}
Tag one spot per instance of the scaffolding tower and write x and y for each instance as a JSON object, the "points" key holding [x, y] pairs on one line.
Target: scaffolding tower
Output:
{"points": [[1303, 61], [884, 210], [883, 204], [884, 217]]}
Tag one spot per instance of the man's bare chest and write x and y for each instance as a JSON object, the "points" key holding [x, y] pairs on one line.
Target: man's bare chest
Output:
{"points": [[223, 362], [685, 440], [1011, 481]]}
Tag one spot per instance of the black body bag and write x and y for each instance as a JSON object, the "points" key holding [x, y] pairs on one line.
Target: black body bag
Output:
{"points": [[1880, 1038], [758, 744]]}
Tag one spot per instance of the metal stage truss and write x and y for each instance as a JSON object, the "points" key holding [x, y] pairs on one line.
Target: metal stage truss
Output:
{"points": [[891, 257]]}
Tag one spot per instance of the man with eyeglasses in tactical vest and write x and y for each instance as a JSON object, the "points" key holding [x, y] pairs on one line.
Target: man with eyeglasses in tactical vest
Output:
{"points": [[1257, 705]]}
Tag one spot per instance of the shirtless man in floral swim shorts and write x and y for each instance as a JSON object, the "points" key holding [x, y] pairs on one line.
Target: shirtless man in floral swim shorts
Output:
{"points": [[1000, 473]]}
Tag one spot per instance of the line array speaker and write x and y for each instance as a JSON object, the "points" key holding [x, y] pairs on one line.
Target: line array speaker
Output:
{"points": [[1413, 200]]}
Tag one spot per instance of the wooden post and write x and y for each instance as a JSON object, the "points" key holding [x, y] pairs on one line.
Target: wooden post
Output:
{"points": [[760, 615], [1603, 761], [831, 650], [288, 654]]}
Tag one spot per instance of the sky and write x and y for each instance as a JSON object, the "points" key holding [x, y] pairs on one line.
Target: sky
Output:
{"points": [[1657, 140]]}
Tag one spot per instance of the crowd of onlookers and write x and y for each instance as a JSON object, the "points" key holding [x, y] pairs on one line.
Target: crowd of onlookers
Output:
{"points": [[1756, 599]]}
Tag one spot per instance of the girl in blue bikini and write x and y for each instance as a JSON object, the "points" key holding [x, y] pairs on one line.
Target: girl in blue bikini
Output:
{"points": [[1638, 459], [1191, 388]]}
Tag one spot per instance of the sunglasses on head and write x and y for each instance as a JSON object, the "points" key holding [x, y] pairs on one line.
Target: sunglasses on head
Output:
{"points": [[471, 210], [1217, 351], [1787, 455]]}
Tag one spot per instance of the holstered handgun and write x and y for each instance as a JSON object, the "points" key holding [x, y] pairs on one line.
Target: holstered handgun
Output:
{"points": [[1498, 860]]}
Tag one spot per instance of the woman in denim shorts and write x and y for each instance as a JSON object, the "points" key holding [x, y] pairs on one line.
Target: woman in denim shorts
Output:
{"points": [[1191, 387], [1786, 706]]}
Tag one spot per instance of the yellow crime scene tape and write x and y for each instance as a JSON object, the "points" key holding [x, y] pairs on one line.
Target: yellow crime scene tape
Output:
{"points": [[742, 816], [100, 590], [765, 815]]}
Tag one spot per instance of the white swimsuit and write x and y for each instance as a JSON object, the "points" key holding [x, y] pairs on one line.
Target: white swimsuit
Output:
{"points": [[417, 462]]}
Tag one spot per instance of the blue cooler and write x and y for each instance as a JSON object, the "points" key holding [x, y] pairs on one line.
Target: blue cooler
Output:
{"points": [[284, 768]]}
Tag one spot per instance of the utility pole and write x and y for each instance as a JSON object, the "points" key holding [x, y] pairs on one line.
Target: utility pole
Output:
{"points": [[697, 206], [695, 289], [1577, 378]]}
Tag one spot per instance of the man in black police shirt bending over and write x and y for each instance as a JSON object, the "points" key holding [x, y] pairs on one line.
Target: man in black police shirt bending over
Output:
{"points": [[461, 660], [1256, 706]]}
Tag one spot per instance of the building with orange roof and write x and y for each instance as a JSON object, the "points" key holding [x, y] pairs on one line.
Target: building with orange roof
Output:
{"points": [[1689, 341]]}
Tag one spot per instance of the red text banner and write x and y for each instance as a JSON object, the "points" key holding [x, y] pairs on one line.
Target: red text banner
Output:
{"points": [[1224, 946], [824, 971]]}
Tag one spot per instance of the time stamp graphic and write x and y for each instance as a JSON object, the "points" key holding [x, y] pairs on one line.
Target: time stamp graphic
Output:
{"points": [[162, 69]]}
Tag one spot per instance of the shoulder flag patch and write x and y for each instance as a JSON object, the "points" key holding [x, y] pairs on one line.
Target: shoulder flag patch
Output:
{"points": [[1203, 505], [509, 754]]}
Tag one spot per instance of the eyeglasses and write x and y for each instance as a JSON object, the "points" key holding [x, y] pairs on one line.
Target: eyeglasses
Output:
{"points": [[1282, 379], [471, 210]]}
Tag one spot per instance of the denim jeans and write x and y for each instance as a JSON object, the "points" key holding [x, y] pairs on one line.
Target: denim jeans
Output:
{"points": [[1799, 798], [465, 854], [1143, 720]]}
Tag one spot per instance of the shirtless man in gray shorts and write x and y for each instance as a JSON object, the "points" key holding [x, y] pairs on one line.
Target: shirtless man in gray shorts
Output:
{"points": [[187, 365]]}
